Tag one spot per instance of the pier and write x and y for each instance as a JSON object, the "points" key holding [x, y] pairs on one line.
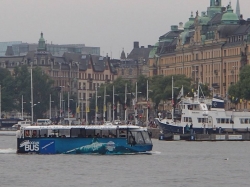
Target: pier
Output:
{"points": [[227, 136]]}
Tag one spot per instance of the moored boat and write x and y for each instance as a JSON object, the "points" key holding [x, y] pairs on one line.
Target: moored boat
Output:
{"points": [[205, 117], [92, 139]]}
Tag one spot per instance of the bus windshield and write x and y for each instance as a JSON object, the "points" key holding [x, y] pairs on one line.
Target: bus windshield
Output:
{"points": [[139, 137]]}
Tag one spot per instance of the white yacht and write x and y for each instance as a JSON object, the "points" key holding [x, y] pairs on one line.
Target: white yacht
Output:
{"points": [[205, 116]]}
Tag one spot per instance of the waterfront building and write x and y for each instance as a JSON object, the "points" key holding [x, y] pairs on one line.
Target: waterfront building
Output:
{"points": [[76, 73], [211, 49], [4, 45], [134, 64], [55, 49]]}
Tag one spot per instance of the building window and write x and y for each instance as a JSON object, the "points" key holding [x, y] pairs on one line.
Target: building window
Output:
{"points": [[130, 71]]}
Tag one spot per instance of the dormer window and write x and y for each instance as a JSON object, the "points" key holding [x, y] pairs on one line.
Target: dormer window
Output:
{"points": [[239, 38]]}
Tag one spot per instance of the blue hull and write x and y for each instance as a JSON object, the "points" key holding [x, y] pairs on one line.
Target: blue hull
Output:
{"points": [[172, 129], [79, 146]]}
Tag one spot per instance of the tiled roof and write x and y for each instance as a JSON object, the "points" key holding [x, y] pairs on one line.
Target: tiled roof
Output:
{"points": [[138, 53]]}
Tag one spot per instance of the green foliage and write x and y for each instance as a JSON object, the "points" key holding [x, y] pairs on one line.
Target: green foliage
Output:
{"points": [[162, 87], [18, 85], [42, 87], [119, 85], [241, 90], [7, 87]]}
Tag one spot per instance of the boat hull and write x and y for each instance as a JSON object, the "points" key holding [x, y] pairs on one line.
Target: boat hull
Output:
{"points": [[175, 129], [78, 146]]}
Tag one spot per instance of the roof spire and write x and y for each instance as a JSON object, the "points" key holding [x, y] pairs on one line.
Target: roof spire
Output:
{"points": [[123, 56], [238, 8]]}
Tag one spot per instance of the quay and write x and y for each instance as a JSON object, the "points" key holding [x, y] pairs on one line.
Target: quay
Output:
{"points": [[226, 136]]}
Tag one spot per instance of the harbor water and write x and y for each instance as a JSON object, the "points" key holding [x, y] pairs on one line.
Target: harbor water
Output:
{"points": [[177, 164]]}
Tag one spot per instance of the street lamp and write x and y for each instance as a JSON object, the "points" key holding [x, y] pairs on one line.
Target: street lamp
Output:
{"points": [[60, 102], [50, 106], [68, 108], [31, 90], [135, 103], [104, 104], [22, 106], [147, 104], [125, 104], [96, 107], [173, 98], [0, 101]]}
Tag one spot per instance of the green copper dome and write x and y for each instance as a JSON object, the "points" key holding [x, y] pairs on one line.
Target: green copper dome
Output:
{"points": [[41, 38], [229, 17], [190, 22], [153, 50], [204, 19], [41, 44]]}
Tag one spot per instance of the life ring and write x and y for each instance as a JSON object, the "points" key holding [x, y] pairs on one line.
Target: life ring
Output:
{"points": [[27, 133]]}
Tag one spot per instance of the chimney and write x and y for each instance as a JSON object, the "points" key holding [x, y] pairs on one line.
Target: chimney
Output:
{"points": [[181, 26], [149, 46], [142, 47], [136, 45]]}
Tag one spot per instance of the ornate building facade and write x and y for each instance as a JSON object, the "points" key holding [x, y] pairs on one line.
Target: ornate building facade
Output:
{"points": [[135, 64], [211, 49], [75, 73]]}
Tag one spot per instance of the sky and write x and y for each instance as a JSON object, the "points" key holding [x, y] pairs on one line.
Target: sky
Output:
{"points": [[109, 24]]}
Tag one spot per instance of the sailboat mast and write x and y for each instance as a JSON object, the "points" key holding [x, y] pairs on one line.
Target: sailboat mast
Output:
{"points": [[31, 90], [172, 98]]}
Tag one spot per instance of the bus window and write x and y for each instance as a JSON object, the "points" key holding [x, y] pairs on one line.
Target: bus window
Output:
{"points": [[63, 133], [90, 133], [35, 134], [44, 132], [137, 136], [146, 137], [27, 133], [122, 133]]}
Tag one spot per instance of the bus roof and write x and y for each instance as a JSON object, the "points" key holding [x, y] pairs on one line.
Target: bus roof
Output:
{"points": [[94, 127]]}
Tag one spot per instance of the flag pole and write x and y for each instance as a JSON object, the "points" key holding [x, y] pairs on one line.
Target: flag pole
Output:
{"points": [[172, 98]]}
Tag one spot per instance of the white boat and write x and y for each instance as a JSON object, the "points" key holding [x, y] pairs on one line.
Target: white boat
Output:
{"points": [[205, 116], [22, 124]]}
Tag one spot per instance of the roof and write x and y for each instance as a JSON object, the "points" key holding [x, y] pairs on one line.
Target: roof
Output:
{"points": [[138, 53], [99, 127], [229, 17]]}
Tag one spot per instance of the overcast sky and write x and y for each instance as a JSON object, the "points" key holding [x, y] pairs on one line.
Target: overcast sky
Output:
{"points": [[109, 24]]}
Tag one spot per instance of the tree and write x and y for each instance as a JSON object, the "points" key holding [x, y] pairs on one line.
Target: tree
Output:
{"points": [[7, 87], [42, 85], [241, 90], [42, 88], [162, 87], [142, 85], [119, 85]]}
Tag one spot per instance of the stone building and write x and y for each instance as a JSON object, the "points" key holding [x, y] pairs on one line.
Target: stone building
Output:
{"points": [[135, 64], [76, 73], [211, 49]]}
